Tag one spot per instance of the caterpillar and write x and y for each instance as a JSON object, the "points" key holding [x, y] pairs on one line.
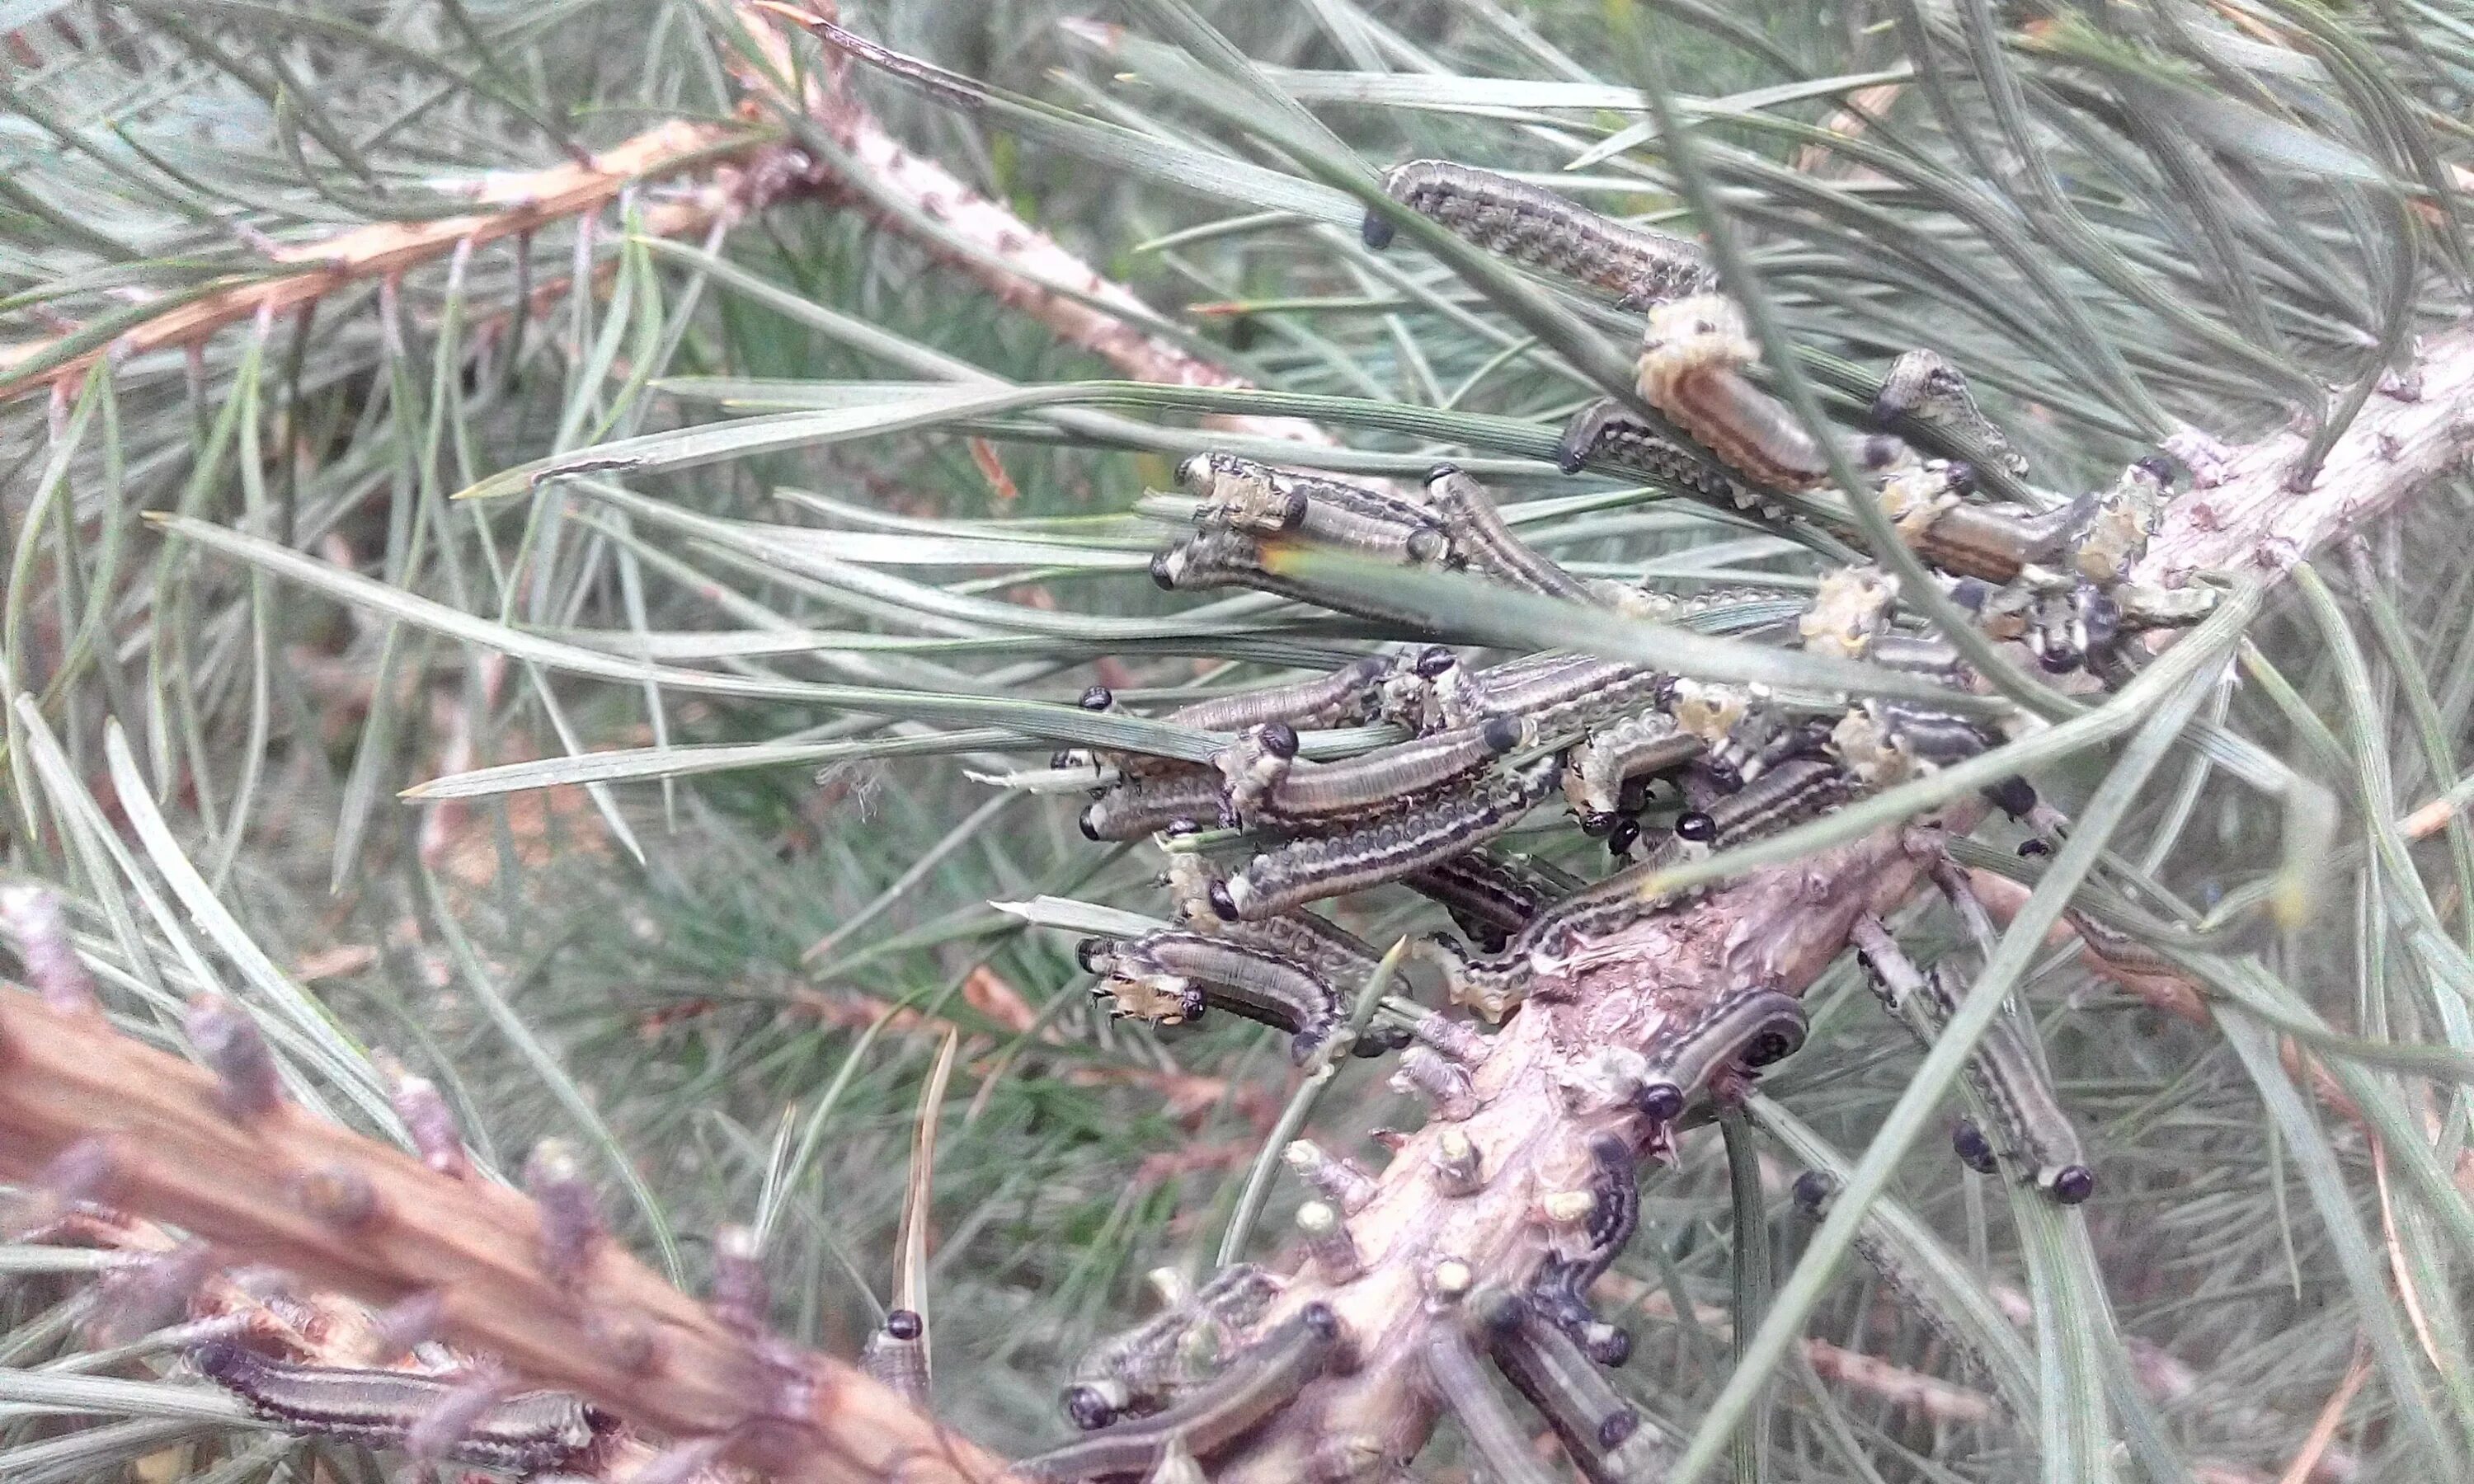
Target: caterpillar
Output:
{"points": [[1250, 1388], [2003, 1070], [1924, 391], [896, 1353], [1244, 496], [526, 1432], [2005, 1074], [1601, 1433], [1481, 540], [1338, 699], [1511, 219], [1692, 357], [1169, 972], [1608, 432], [1175, 801], [1227, 559], [1418, 837], [1279, 789], [1454, 1376], [1755, 1029], [1139, 1370]]}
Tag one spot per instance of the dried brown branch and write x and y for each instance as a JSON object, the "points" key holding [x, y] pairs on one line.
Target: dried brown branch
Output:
{"points": [[2323, 1431], [506, 206], [611, 1332], [1931, 1397], [1023, 266]]}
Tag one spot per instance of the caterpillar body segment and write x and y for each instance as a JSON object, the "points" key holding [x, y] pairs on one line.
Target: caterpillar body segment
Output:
{"points": [[1268, 784], [1481, 540]]}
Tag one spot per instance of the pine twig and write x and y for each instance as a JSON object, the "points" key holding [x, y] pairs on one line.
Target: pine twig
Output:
{"points": [[609, 1329], [1777, 928], [1021, 265], [506, 206]]}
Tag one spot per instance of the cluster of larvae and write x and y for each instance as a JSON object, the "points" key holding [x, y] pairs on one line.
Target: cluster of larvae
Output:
{"points": [[1661, 767]]}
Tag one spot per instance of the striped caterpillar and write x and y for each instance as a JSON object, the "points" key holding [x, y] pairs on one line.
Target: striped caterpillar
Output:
{"points": [[2003, 1070], [1418, 836], [1558, 1294], [1491, 898], [1752, 1030], [896, 1355], [1337, 699], [1140, 1371], [1175, 801], [1254, 1386], [1608, 432], [1639, 746], [1924, 391], [1268, 783], [1455, 1378], [1557, 693], [1521, 222], [526, 1432], [1241, 494], [1601, 1433], [1481, 540], [1171, 976], [1928, 505], [1230, 558]]}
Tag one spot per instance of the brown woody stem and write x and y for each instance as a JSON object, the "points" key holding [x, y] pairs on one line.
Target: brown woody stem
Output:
{"points": [[615, 1334]]}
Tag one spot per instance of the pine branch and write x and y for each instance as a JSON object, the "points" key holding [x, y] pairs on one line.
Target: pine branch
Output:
{"points": [[1021, 265], [512, 205], [610, 1330], [1778, 928]]}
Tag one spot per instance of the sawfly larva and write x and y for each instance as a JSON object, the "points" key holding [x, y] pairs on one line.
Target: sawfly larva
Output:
{"points": [[1340, 699], [1456, 1380], [1180, 802], [527, 1431], [1511, 219], [1601, 1433], [896, 1355], [1282, 790], [1692, 358], [1459, 818], [1226, 559], [2012, 1084], [1139, 1370], [1248, 1389], [1925, 390], [1481, 540], [1244, 496], [1608, 432], [1752, 1030], [1170, 968], [1489, 895]]}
